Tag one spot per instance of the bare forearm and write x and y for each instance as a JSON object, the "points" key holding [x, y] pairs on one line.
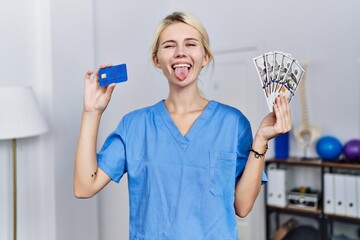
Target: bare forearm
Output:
{"points": [[85, 160], [249, 185]]}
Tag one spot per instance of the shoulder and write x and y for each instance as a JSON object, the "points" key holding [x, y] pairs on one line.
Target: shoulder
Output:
{"points": [[140, 115], [139, 112], [229, 111], [229, 118]]}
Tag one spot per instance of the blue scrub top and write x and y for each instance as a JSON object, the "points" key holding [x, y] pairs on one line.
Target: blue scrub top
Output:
{"points": [[180, 187]]}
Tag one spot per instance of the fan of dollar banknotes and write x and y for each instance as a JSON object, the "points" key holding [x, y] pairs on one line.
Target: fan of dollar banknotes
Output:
{"points": [[279, 73]]}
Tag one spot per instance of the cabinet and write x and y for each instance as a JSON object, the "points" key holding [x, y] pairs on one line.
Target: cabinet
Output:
{"points": [[324, 217]]}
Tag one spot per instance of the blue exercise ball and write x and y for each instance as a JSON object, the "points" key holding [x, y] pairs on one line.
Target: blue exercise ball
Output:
{"points": [[329, 148]]}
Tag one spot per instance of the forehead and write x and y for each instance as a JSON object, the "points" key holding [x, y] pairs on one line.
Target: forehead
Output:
{"points": [[179, 31]]}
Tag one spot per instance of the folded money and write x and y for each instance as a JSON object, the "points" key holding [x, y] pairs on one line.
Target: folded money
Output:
{"points": [[279, 74]]}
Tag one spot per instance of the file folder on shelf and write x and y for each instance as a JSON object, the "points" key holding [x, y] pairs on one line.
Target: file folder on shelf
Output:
{"points": [[351, 205], [278, 185], [339, 188], [329, 198]]}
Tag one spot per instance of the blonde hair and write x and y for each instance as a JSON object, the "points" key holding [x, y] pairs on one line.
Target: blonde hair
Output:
{"points": [[187, 18]]}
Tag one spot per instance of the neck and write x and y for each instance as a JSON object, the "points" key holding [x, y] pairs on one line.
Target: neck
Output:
{"points": [[183, 102]]}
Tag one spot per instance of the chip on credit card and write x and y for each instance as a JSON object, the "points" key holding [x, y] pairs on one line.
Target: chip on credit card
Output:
{"points": [[113, 74]]}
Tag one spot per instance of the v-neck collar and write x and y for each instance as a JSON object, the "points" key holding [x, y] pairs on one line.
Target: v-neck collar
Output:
{"points": [[184, 141]]}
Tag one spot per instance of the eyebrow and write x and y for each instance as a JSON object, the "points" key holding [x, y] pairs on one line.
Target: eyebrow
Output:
{"points": [[186, 39]]}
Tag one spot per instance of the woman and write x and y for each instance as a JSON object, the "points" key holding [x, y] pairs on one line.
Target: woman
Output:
{"points": [[187, 158]]}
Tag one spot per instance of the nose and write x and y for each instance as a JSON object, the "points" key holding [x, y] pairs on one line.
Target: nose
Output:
{"points": [[180, 52]]}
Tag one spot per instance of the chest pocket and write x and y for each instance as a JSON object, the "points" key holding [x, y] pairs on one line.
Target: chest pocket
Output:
{"points": [[222, 173]]}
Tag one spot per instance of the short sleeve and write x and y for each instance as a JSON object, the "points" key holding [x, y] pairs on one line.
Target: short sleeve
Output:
{"points": [[112, 155], [245, 140]]}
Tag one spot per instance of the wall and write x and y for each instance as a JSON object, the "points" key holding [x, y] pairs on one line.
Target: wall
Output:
{"points": [[40, 47], [72, 43], [25, 60], [50, 44]]}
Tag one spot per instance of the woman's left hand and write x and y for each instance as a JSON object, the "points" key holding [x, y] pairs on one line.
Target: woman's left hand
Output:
{"points": [[276, 122]]}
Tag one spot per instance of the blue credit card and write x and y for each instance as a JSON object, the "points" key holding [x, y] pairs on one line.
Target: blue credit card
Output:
{"points": [[113, 74]]}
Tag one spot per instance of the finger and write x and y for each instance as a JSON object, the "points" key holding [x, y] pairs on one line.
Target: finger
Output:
{"points": [[103, 66], [87, 77], [88, 74], [100, 67], [280, 124], [279, 106], [110, 89], [288, 120], [286, 114]]}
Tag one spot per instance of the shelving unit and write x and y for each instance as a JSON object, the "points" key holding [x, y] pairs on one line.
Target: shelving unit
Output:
{"points": [[325, 221]]}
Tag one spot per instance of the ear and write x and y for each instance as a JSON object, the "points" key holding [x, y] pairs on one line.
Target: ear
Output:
{"points": [[206, 60], [156, 61]]}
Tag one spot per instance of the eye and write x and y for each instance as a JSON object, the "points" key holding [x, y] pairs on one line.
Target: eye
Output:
{"points": [[168, 46], [191, 44]]}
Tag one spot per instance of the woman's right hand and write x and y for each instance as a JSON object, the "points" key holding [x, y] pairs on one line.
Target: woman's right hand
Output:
{"points": [[96, 98]]}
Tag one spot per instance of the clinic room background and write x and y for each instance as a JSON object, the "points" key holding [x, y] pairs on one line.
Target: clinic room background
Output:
{"points": [[49, 45]]}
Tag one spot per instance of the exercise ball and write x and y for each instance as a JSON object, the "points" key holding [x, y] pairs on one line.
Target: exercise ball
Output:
{"points": [[328, 147], [351, 150]]}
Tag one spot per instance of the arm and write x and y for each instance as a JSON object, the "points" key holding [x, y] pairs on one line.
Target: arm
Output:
{"points": [[249, 185], [88, 178]]}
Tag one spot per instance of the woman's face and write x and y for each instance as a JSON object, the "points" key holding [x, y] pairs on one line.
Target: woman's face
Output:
{"points": [[181, 54]]}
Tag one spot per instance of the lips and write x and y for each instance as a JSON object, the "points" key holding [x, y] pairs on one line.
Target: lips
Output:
{"points": [[181, 65], [181, 70]]}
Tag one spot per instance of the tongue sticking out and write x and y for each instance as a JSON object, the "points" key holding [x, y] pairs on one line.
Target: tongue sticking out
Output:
{"points": [[181, 72]]}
